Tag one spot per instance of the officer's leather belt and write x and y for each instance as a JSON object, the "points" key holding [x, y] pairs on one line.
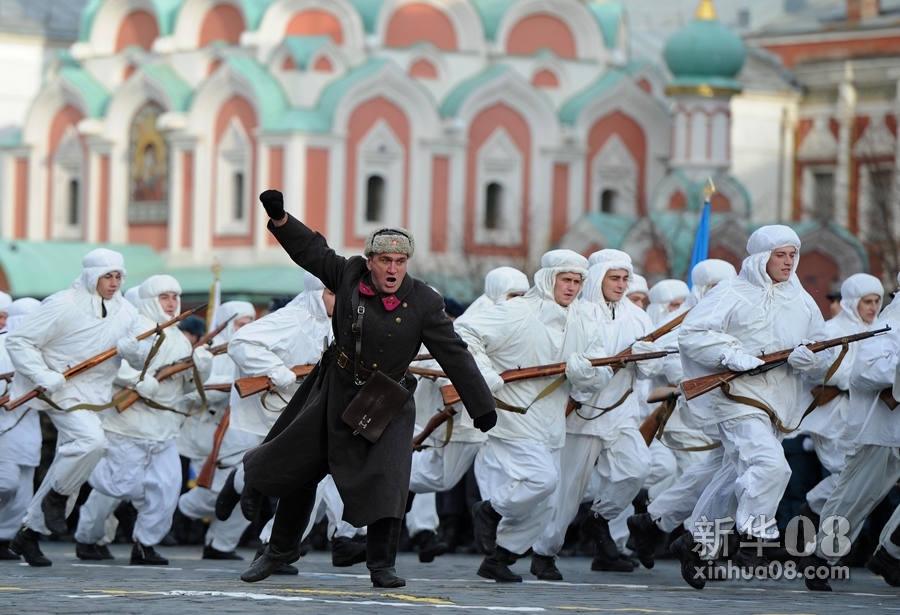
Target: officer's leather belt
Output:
{"points": [[343, 361]]}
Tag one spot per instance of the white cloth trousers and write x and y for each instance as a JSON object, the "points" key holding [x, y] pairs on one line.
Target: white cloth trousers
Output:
{"points": [[622, 468], [146, 472], [577, 459], [834, 458], [93, 518], [422, 514], [439, 469], [80, 443], [674, 505], [16, 489], [663, 469], [870, 473], [755, 472], [200, 503], [523, 480], [884, 540]]}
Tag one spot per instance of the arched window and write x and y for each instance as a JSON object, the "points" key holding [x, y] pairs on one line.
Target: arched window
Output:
{"points": [[74, 209], [374, 198], [608, 201], [493, 206]]}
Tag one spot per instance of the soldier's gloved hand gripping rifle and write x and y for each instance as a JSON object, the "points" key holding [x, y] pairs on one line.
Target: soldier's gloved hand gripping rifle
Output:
{"points": [[97, 360]]}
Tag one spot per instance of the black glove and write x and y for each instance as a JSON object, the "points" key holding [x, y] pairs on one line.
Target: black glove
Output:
{"points": [[486, 422], [273, 201]]}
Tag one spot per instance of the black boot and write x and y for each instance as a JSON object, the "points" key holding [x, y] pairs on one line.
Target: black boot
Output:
{"points": [[750, 557], [484, 524], [103, 551], [691, 566], [291, 517], [496, 566], [210, 552], [646, 535], [227, 499], [251, 501], [144, 555], [87, 551], [429, 546], [382, 541], [54, 508], [597, 528], [347, 552], [25, 544], [885, 565], [5, 553], [808, 566], [544, 568], [806, 511], [282, 569]]}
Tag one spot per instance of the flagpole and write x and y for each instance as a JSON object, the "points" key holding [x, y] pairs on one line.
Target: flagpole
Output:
{"points": [[215, 296]]}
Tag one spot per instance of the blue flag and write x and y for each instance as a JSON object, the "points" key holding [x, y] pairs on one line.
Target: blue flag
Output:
{"points": [[701, 241]]}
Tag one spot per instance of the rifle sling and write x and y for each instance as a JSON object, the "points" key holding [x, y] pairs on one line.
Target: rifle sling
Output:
{"points": [[749, 401], [18, 420], [547, 391], [607, 408], [669, 407], [447, 437]]}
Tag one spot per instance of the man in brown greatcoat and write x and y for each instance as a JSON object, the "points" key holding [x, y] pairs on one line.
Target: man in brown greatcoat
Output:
{"points": [[310, 439]]}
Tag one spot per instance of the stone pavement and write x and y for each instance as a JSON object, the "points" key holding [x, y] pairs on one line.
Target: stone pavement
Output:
{"points": [[191, 585]]}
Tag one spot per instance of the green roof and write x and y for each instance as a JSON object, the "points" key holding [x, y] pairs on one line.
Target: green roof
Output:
{"points": [[13, 139], [94, 95], [458, 95], [180, 93], [334, 92], [272, 102], [368, 10], [608, 15], [705, 48], [491, 12], [40, 268], [302, 120], [254, 11], [809, 226], [303, 48], [613, 227], [572, 108]]}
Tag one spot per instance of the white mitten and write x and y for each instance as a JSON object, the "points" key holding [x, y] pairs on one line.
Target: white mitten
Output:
{"points": [[494, 381], [147, 387], [803, 360], [282, 377], [579, 371], [202, 359], [129, 348], [739, 361], [648, 368], [51, 381]]}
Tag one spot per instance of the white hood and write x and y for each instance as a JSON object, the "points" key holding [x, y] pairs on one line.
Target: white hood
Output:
{"points": [[637, 284], [661, 295], [705, 275], [498, 283], [855, 288], [18, 310], [149, 292], [602, 262], [311, 297], [237, 309]]}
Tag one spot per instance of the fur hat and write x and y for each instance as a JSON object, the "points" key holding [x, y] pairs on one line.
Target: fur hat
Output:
{"points": [[390, 240]]}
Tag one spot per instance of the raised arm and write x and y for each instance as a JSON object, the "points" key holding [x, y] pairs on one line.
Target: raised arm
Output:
{"points": [[306, 247]]}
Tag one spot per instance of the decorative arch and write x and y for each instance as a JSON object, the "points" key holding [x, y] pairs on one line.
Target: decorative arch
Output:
{"points": [[234, 155], [568, 28], [201, 22], [338, 19], [423, 69], [631, 142], [123, 23], [614, 169], [419, 22], [449, 25], [67, 158], [378, 145], [545, 78]]}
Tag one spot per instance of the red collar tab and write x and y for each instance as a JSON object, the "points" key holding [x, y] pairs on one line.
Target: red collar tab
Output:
{"points": [[390, 302]]}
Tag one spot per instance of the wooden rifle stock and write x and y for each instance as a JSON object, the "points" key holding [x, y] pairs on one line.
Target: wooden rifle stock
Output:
{"points": [[422, 357], [660, 415], [451, 396], [208, 337], [436, 421], [431, 374], [698, 386], [100, 358], [826, 393], [205, 477], [658, 333], [886, 395], [8, 376], [223, 387], [257, 384], [166, 371]]}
